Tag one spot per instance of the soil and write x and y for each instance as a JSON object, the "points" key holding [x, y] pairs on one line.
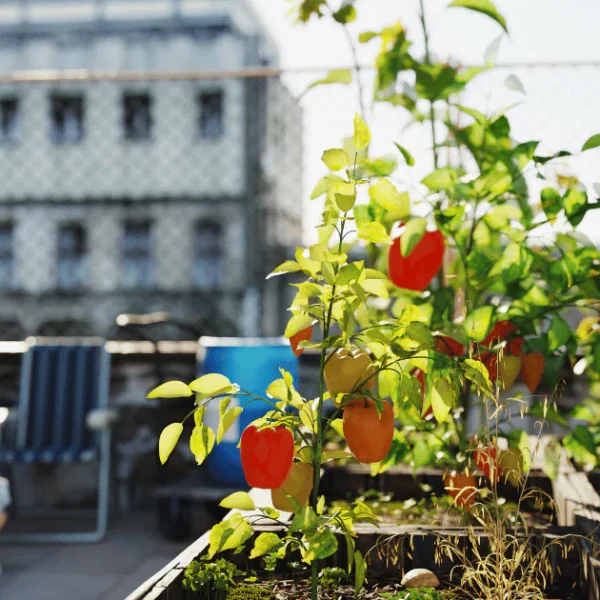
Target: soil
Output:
{"points": [[299, 589]]}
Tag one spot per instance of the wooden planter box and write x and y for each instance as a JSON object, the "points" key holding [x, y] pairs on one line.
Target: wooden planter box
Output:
{"points": [[414, 545]]}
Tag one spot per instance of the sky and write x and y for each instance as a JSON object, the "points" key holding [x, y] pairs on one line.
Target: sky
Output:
{"points": [[560, 106]]}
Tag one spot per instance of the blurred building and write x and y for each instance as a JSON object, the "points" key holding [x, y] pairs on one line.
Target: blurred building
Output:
{"points": [[129, 182]]}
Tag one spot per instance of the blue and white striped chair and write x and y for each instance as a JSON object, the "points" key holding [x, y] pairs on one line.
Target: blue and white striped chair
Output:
{"points": [[63, 383]]}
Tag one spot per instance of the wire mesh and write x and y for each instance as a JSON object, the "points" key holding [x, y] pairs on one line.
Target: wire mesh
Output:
{"points": [[176, 192]]}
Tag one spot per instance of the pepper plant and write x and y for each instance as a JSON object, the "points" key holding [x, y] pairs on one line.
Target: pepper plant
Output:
{"points": [[397, 325], [492, 268]]}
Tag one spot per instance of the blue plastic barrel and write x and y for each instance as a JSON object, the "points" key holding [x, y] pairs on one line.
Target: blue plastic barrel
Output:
{"points": [[252, 363]]}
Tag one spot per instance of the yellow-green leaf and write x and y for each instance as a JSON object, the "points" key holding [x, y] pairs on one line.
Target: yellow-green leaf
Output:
{"points": [[343, 76], [374, 232], [362, 135], [202, 442], [335, 159], [171, 389], [334, 455], [168, 440], [385, 194], [199, 415], [477, 324], [227, 421], [411, 236], [483, 6], [267, 542], [289, 266], [297, 323], [211, 384], [376, 287], [229, 534], [442, 396], [238, 501]]}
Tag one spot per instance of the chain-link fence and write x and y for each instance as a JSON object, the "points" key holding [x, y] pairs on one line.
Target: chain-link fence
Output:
{"points": [[178, 193]]}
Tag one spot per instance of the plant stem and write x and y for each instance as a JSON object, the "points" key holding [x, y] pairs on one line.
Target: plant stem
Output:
{"points": [[428, 61], [318, 446]]}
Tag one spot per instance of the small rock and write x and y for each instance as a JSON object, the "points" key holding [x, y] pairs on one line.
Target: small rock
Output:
{"points": [[420, 578]]}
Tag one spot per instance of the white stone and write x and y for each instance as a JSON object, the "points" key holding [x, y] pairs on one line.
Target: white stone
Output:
{"points": [[420, 578]]}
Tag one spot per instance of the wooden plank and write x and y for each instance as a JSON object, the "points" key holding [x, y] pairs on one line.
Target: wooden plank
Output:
{"points": [[156, 586]]}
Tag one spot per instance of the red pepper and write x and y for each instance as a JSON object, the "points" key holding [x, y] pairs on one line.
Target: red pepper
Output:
{"points": [[267, 456], [416, 271]]}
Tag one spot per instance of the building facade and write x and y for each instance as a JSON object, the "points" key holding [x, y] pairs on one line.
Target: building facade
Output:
{"points": [[134, 179]]}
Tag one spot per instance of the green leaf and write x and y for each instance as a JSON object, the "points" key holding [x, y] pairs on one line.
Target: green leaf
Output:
{"points": [[168, 440], [378, 167], [360, 572], [575, 202], [478, 116], [411, 236], [478, 322], [385, 194], [483, 6], [440, 180], [593, 142], [408, 157], [519, 439], [513, 83], [227, 420], [374, 232], [347, 274], [229, 534], [199, 415], [328, 273], [551, 459], [238, 501], [297, 323], [265, 543], [362, 135], [335, 76], [321, 544], [558, 334], [212, 385], [346, 14], [306, 521], [335, 159], [171, 389], [551, 203], [442, 396], [376, 287], [477, 372], [581, 446], [202, 442]]}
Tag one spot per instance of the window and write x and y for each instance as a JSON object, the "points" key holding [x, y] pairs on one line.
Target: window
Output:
{"points": [[66, 119], [137, 256], [7, 275], [208, 255], [9, 119], [72, 260], [211, 115], [137, 117]]}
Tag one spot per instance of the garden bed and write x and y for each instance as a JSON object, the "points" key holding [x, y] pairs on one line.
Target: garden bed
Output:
{"points": [[409, 546]]}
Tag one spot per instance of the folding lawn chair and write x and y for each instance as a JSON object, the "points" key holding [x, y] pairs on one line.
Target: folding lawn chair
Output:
{"points": [[63, 381]]}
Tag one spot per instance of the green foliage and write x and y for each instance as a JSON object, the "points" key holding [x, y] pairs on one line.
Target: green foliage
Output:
{"points": [[250, 592], [332, 578], [210, 580]]}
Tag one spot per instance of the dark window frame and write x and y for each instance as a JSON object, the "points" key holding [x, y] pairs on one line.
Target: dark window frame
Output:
{"points": [[144, 102], [72, 257], [7, 255], [136, 257], [10, 133], [211, 125], [62, 104], [209, 254]]}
